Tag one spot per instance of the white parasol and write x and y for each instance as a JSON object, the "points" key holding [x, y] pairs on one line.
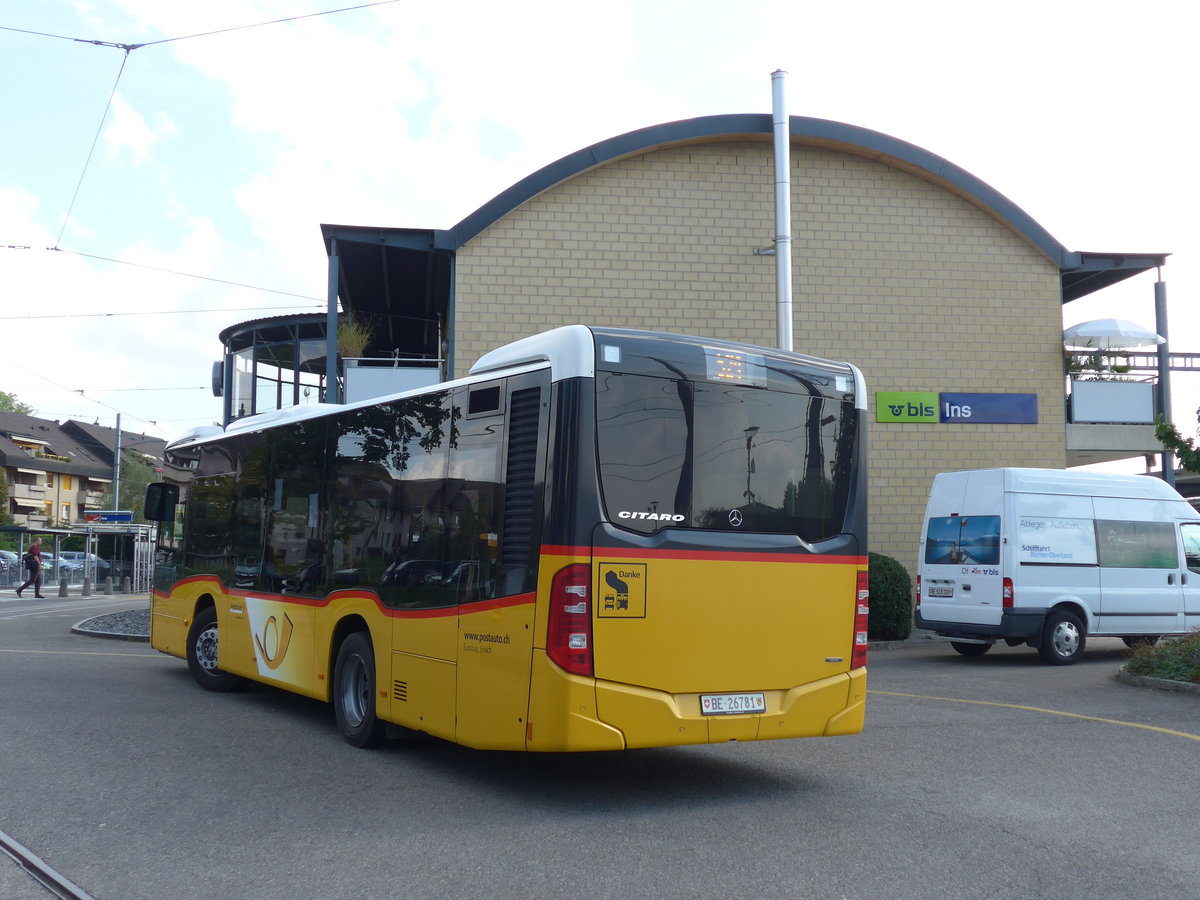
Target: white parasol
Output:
{"points": [[1110, 334]]}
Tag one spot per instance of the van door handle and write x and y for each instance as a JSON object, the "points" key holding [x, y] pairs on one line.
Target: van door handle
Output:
{"points": [[1171, 578]]}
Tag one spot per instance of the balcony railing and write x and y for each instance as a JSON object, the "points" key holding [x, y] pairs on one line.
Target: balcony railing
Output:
{"points": [[27, 491], [1112, 402]]}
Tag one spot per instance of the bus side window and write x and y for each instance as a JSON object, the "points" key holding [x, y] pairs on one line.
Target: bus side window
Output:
{"points": [[474, 499], [294, 559], [252, 494], [388, 500]]}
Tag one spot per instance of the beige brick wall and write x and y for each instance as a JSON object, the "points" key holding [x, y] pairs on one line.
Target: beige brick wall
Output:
{"points": [[912, 283]]}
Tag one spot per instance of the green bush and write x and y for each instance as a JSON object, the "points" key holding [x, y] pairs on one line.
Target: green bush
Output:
{"points": [[891, 599], [1173, 660]]}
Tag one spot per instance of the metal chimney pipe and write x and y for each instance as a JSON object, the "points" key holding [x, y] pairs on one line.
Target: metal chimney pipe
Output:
{"points": [[783, 211]]}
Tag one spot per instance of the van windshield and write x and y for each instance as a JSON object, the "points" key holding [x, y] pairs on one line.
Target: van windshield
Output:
{"points": [[963, 539]]}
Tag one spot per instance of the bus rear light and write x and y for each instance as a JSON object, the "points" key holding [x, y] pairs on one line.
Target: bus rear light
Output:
{"points": [[862, 609], [1007, 594], [569, 632]]}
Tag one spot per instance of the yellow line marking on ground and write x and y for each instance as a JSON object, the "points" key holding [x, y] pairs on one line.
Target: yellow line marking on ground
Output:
{"points": [[1052, 712], [77, 653]]}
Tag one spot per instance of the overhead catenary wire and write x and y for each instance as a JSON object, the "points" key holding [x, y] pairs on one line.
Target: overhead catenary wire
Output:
{"points": [[124, 262], [91, 150], [128, 48], [141, 312]]}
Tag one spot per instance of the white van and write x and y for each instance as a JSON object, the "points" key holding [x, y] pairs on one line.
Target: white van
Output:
{"points": [[1045, 557]]}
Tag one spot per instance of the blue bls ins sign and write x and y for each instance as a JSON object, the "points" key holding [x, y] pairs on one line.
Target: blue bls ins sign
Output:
{"points": [[956, 408]]}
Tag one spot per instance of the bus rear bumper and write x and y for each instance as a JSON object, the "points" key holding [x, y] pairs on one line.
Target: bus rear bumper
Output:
{"points": [[574, 713], [833, 705]]}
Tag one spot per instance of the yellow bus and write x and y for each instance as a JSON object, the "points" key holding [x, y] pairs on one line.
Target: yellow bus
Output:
{"points": [[600, 539]]}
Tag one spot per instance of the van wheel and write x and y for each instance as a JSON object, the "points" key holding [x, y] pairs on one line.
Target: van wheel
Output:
{"points": [[1140, 640], [1063, 638], [970, 649], [354, 692], [202, 654]]}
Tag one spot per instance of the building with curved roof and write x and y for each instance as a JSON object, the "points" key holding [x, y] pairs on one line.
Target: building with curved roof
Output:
{"points": [[937, 286]]}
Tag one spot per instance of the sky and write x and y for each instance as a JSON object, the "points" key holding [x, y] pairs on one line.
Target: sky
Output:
{"points": [[151, 197]]}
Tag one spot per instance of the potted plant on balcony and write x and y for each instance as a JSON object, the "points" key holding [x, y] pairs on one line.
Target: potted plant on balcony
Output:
{"points": [[354, 334]]}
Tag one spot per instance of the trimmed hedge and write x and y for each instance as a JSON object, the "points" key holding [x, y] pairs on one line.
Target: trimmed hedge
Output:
{"points": [[891, 599], [1174, 659]]}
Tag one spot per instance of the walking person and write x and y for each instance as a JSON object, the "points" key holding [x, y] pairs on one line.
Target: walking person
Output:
{"points": [[33, 559]]}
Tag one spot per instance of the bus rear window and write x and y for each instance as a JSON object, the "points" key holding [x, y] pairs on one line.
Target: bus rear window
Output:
{"points": [[963, 539], [729, 456]]}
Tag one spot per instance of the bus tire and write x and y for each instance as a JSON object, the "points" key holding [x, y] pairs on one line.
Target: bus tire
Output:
{"points": [[354, 692], [202, 654], [1063, 638], [967, 649]]}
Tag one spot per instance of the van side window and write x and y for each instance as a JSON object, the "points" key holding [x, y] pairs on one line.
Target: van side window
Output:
{"points": [[1191, 545], [1136, 545]]}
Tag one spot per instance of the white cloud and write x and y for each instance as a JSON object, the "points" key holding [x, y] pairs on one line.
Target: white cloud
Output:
{"points": [[130, 131]]}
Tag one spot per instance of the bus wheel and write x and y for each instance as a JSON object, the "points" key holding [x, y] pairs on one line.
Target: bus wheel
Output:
{"points": [[202, 654], [354, 692], [1063, 638], [967, 649], [1140, 640]]}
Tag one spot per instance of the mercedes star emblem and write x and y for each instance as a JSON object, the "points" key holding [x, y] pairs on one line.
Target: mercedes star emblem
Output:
{"points": [[735, 518]]}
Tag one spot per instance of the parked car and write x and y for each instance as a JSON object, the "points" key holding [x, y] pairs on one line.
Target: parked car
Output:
{"points": [[57, 566], [78, 560], [10, 564]]}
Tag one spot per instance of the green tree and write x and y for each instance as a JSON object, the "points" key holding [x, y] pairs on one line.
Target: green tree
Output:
{"points": [[137, 471], [8, 541], [1183, 448], [10, 403]]}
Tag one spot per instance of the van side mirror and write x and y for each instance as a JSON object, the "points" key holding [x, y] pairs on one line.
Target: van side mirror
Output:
{"points": [[160, 501]]}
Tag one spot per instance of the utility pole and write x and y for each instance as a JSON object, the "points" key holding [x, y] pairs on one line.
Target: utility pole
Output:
{"points": [[116, 504]]}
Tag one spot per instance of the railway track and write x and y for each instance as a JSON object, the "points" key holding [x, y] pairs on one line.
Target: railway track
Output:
{"points": [[39, 870]]}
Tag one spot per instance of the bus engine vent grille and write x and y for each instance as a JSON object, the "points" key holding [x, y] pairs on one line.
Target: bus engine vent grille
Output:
{"points": [[519, 488], [400, 691]]}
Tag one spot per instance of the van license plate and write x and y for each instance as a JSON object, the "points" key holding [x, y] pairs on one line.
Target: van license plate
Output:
{"points": [[732, 704], [941, 592]]}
